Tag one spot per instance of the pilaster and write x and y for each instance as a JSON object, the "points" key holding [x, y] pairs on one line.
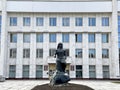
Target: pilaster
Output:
{"points": [[85, 56], [114, 64], [32, 55], [19, 60], [98, 56], [3, 42]]}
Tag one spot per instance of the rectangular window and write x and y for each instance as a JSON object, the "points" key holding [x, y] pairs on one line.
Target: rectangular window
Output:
{"points": [[105, 21], [39, 71], [65, 37], [26, 38], [25, 71], [13, 21], [106, 73], [13, 38], [52, 52], [92, 21], [92, 71], [66, 21], [78, 37], [78, 21], [13, 53], [67, 52], [26, 53], [39, 53], [39, 21], [105, 53], [91, 38], [12, 71], [39, 38], [52, 21], [52, 37], [78, 53], [79, 71], [105, 38], [92, 53], [26, 21]]}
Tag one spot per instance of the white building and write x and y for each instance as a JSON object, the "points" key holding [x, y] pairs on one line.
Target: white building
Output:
{"points": [[31, 30]]}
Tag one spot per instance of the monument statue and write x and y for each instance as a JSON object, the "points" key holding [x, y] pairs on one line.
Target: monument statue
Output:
{"points": [[60, 76]]}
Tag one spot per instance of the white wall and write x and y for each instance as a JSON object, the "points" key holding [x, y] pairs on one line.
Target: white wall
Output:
{"points": [[0, 5], [29, 6]]}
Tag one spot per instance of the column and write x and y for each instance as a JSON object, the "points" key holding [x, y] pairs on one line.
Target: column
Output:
{"points": [[72, 53], [19, 60], [98, 56], [114, 64], [85, 56], [45, 53], [32, 55], [3, 58]]}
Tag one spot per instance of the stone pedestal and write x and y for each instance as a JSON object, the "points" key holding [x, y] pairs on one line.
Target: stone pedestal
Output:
{"points": [[59, 78]]}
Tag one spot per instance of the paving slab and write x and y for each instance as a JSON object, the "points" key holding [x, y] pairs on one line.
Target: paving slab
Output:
{"points": [[29, 84]]}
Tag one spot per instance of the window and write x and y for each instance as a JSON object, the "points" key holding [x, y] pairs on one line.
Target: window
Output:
{"points": [[105, 38], [105, 21], [39, 38], [72, 67], [26, 53], [78, 53], [12, 71], [39, 53], [78, 21], [67, 52], [106, 71], [105, 53], [26, 21], [78, 37], [13, 53], [45, 67], [78, 71], [92, 21], [65, 37], [52, 37], [13, 38], [92, 71], [91, 38], [39, 71], [13, 21], [52, 52], [25, 71], [26, 38], [92, 53], [66, 21], [52, 21], [118, 23], [39, 21]]}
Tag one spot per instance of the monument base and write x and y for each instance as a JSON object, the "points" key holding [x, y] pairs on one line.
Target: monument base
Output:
{"points": [[68, 86], [2, 79]]}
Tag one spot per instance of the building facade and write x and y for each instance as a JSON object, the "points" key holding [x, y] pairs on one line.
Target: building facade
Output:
{"points": [[31, 30]]}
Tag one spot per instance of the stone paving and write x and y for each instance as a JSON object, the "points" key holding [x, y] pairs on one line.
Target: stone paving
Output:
{"points": [[29, 84]]}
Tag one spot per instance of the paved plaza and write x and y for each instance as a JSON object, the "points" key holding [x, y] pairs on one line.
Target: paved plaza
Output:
{"points": [[29, 84]]}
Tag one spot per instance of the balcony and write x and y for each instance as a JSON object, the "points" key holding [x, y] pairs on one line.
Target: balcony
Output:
{"points": [[53, 60]]}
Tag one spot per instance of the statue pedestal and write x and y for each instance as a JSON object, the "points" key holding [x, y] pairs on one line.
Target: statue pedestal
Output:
{"points": [[59, 78]]}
